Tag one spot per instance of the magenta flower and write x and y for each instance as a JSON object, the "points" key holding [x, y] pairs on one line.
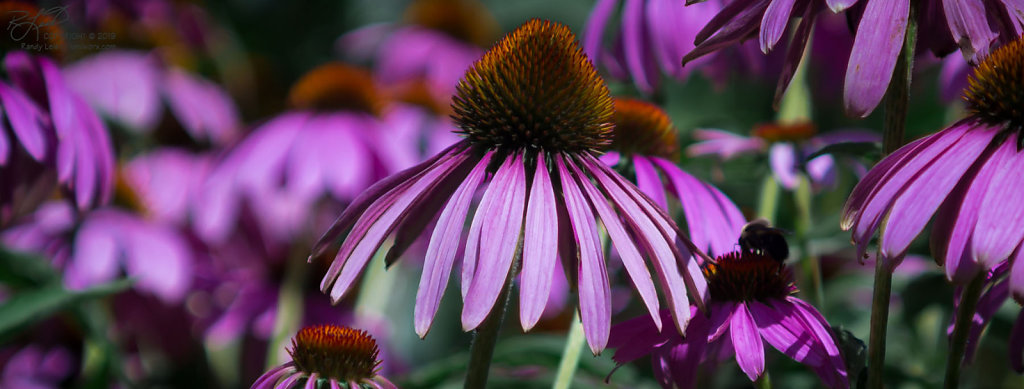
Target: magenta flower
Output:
{"points": [[52, 133], [646, 139], [132, 87], [750, 303], [36, 367], [996, 292], [975, 26], [653, 38], [164, 184], [105, 241], [788, 147], [331, 356], [533, 112], [965, 175], [334, 144]]}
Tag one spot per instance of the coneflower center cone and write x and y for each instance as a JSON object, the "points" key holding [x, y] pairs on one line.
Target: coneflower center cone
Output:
{"points": [[996, 89], [747, 276], [643, 128], [341, 353], [785, 132], [535, 89], [336, 87]]}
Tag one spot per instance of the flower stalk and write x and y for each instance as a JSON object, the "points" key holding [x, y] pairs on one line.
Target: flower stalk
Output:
{"points": [[961, 330], [486, 336], [896, 101], [571, 355]]}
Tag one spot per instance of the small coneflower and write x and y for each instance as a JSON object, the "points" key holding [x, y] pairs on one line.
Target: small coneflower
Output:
{"points": [[788, 145], [533, 113], [967, 175], [750, 303], [646, 140], [328, 355]]}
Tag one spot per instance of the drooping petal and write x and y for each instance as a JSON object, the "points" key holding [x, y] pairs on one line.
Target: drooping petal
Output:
{"points": [[540, 247], [637, 337], [648, 181], [739, 27], [712, 220], [818, 326], [783, 162], [747, 342], [625, 246], [878, 43], [595, 293], [795, 52], [25, 119], [503, 223], [782, 328], [919, 199], [594, 30], [774, 22], [636, 44], [994, 239], [721, 316], [867, 185], [969, 26], [443, 246], [686, 357]]}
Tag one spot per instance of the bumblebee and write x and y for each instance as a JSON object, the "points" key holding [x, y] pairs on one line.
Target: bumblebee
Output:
{"points": [[759, 237]]}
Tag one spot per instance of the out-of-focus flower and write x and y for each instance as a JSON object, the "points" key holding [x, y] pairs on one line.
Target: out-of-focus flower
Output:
{"points": [[645, 139], [533, 112], [966, 175], [129, 86], [975, 26], [655, 34], [788, 146], [163, 184], [51, 131], [438, 42], [105, 241], [35, 367], [328, 354], [996, 292], [334, 144], [751, 303]]}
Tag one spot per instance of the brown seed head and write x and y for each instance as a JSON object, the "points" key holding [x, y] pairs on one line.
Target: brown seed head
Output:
{"points": [[336, 86], [995, 93], [643, 128], [535, 89], [747, 276], [342, 353], [790, 132], [465, 20]]}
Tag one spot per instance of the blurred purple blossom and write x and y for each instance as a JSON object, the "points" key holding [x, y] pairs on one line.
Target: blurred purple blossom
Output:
{"points": [[130, 87], [37, 367]]}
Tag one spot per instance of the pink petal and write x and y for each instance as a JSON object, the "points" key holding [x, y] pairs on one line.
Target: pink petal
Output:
{"points": [[878, 43], [747, 342], [994, 238], [594, 31], [625, 246], [540, 246], [25, 119], [918, 200], [502, 225], [637, 46], [648, 181], [595, 293], [969, 26], [782, 328], [773, 24]]}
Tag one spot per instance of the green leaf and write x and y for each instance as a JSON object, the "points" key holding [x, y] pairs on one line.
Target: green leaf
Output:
{"points": [[855, 149], [20, 269], [30, 306]]}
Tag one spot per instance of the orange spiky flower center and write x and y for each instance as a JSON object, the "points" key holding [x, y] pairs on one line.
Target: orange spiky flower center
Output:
{"points": [[465, 20], [747, 276], [33, 29], [336, 86], [535, 89], [341, 353], [785, 132], [995, 93], [643, 128]]}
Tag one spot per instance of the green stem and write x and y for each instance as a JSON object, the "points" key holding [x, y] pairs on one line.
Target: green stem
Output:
{"points": [[289, 307], [764, 381], [879, 321], [896, 100], [804, 222], [377, 285], [571, 355], [769, 200], [962, 328], [486, 337]]}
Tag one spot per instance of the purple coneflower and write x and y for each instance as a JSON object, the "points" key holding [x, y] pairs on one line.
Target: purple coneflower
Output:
{"points": [[128, 86], [789, 146], [329, 355], [52, 132], [995, 293], [974, 26], [534, 114], [750, 303], [966, 175], [645, 136]]}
